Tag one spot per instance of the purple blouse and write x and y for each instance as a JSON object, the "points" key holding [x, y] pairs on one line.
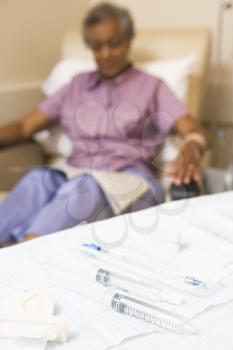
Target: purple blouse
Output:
{"points": [[115, 123]]}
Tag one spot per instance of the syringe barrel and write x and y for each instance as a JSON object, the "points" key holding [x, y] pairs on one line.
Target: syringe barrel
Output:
{"points": [[139, 287], [107, 278], [148, 313]]}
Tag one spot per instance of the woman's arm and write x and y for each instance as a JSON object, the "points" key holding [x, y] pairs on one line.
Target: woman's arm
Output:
{"points": [[185, 168], [24, 128]]}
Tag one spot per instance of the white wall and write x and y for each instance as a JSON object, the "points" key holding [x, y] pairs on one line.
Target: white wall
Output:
{"points": [[30, 37]]}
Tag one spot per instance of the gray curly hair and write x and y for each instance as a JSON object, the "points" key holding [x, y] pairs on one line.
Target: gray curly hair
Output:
{"points": [[106, 10]]}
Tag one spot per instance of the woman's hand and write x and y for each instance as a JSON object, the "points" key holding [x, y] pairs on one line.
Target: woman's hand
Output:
{"points": [[185, 167], [24, 128]]}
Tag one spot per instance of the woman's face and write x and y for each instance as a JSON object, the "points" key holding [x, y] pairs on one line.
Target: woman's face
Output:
{"points": [[109, 46]]}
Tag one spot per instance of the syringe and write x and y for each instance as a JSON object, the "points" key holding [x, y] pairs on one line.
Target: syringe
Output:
{"points": [[139, 287], [148, 313], [165, 276]]}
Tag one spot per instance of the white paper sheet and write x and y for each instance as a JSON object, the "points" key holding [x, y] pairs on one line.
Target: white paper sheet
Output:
{"points": [[30, 266], [26, 344], [90, 327]]}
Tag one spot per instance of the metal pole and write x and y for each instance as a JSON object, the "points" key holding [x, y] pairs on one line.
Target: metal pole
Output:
{"points": [[222, 7]]}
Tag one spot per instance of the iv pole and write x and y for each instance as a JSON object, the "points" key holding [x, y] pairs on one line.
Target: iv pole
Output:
{"points": [[222, 7]]}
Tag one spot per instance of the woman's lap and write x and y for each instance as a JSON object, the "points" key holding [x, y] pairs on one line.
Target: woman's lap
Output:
{"points": [[67, 203], [78, 200]]}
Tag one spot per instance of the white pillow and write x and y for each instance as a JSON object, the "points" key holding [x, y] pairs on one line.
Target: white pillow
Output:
{"points": [[175, 74], [63, 72], [54, 142]]}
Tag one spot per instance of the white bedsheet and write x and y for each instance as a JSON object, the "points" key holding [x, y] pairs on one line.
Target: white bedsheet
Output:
{"points": [[19, 263]]}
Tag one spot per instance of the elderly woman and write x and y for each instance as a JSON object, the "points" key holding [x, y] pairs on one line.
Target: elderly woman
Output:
{"points": [[117, 117]]}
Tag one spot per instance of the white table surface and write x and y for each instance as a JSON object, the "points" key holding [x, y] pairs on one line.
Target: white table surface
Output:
{"points": [[214, 325]]}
